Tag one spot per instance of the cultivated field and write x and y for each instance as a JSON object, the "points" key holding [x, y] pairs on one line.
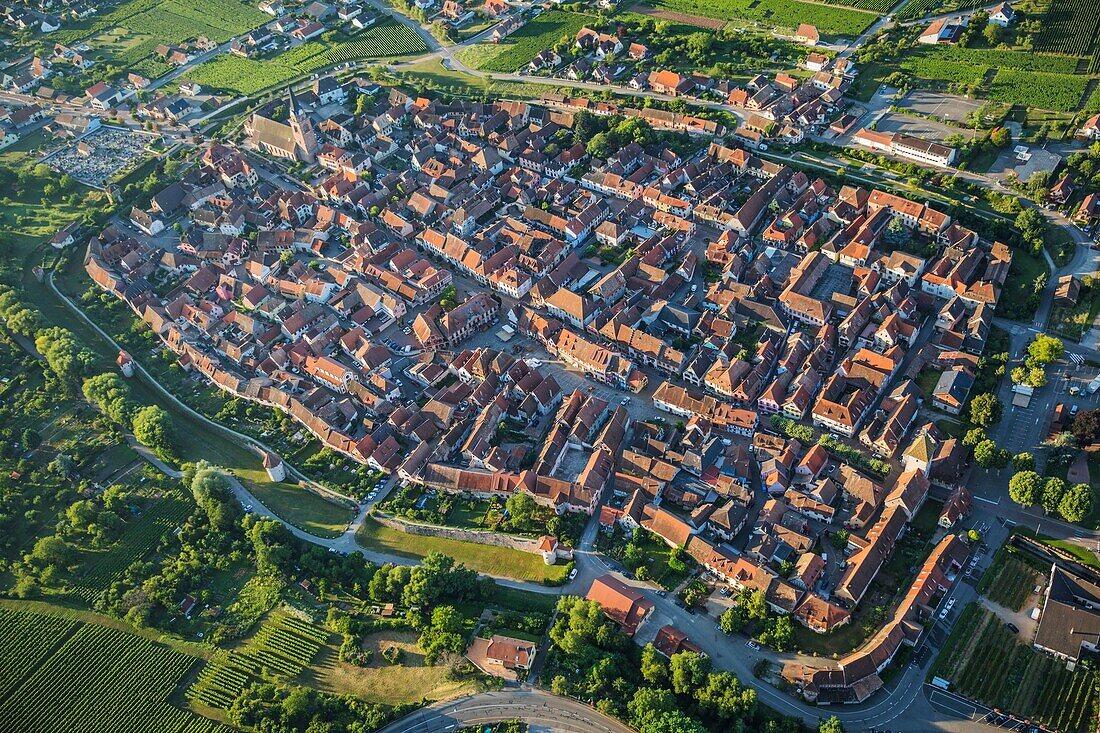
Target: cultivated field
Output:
{"points": [[61, 675], [1072, 27], [138, 539], [284, 646], [244, 76], [130, 32], [830, 20], [985, 662], [1009, 581], [1042, 81], [1058, 92]]}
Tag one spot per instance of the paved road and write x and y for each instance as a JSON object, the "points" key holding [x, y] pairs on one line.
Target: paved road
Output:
{"points": [[533, 706]]}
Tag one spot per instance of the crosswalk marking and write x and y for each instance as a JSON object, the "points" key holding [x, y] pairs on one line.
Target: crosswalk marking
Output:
{"points": [[1076, 359]]}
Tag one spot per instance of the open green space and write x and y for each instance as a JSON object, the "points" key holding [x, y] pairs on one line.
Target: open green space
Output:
{"points": [[829, 20], [499, 561], [985, 662], [303, 508], [410, 680], [430, 74]]}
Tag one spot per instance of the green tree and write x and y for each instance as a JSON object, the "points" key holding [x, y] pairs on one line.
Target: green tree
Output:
{"points": [[988, 455], [985, 410], [830, 725], [1025, 488], [1076, 503], [152, 427], [688, 671], [723, 697], [973, 437], [1053, 490], [210, 488], [779, 633], [1086, 426], [756, 604], [521, 508], [1023, 462], [1045, 349], [732, 619], [654, 666]]}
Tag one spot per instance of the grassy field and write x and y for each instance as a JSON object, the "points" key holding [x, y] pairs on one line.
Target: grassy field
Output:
{"points": [[985, 662], [75, 676], [303, 508], [431, 75], [408, 681], [517, 50], [487, 559], [1026, 267], [830, 21]]}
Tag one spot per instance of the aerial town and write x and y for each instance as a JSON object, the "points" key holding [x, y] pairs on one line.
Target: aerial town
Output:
{"points": [[550, 367]]}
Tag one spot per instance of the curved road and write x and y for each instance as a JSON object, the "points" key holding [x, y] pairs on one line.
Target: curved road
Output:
{"points": [[560, 714]]}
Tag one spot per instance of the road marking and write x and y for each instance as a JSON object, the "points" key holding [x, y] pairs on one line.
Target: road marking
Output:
{"points": [[953, 705], [988, 501]]}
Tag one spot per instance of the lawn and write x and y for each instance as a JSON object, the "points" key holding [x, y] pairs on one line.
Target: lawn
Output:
{"points": [[500, 561], [303, 508], [1019, 286], [409, 681]]}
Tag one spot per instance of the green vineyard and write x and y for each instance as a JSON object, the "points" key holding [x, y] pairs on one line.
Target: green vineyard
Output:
{"points": [[138, 540], [394, 40], [282, 648], [246, 76], [25, 640], [985, 663], [74, 677]]}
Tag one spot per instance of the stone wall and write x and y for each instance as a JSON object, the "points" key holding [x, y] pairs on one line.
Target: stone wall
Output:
{"points": [[481, 537]]}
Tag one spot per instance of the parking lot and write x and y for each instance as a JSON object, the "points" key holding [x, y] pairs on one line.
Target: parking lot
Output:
{"points": [[920, 127], [943, 106]]}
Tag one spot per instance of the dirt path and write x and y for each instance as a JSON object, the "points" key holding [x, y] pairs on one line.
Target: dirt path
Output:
{"points": [[699, 20]]}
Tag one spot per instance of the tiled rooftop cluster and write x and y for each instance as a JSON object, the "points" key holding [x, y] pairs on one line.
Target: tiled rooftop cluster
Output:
{"points": [[813, 311]]}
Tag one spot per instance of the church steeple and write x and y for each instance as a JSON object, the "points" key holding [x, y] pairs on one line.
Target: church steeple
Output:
{"points": [[305, 137]]}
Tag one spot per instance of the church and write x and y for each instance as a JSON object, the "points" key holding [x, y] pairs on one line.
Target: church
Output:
{"points": [[295, 139]]}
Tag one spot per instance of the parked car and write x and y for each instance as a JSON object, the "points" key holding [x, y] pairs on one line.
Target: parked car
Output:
{"points": [[752, 645]]}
